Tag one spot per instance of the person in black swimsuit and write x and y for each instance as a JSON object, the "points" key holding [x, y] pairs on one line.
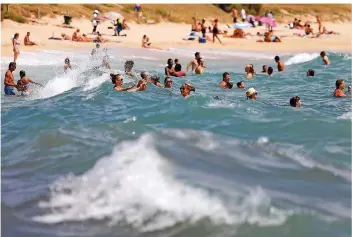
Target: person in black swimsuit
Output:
{"points": [[216, 31], [204, 28]]}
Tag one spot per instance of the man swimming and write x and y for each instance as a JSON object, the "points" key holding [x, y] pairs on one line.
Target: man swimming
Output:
{"points": [[325, 58], [9, 82], [67, 64], [240, 84], [225, 83], [117, 80], [280, 65], [22, 84], [340, 86], [193, 62], [169, 69], [310, 73]]}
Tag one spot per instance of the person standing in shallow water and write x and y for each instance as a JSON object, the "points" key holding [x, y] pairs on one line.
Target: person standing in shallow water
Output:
{"points": [[225, 83], [340, 86], [280, 65], [9, 82], [325, 58]]}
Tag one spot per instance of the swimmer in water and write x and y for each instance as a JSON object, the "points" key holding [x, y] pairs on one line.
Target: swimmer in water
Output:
{"points": [[186, 89], [200, 68], [169, 69], [325, 58], [270, 71], [265, 68], [295, 102], [240, 84], [156, 81], [310, 73], [117, 80], [67, 64], [251, 94], [168, 82], [193, 62], [225, 83], [9, 82], [340, 86], [249, 69], [22, 84], [280, 65]]}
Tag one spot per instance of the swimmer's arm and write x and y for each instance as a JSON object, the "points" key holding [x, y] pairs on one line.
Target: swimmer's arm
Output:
{"points": [[189, 65], [167, 73]]}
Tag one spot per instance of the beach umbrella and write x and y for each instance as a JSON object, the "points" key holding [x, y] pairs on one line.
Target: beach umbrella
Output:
{"points": [[268, 21], [112, 16], [242, 25]]}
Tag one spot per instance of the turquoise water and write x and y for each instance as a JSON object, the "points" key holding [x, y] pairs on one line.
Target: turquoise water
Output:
{"points": [[79, 159]]}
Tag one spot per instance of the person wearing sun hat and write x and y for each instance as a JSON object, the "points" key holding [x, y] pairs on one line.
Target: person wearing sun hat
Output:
{"points": [[251, 94]]}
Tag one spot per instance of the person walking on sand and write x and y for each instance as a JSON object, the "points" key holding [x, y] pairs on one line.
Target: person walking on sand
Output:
{"points": [[234, 15], [9, 82], [320, 26], [243, 14], [15, 44], [216, 31], [27, 41], [280, 65], [95, 21]]}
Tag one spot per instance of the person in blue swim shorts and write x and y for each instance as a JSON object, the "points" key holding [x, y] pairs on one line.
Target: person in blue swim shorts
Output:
{"points": [[9, 82]]}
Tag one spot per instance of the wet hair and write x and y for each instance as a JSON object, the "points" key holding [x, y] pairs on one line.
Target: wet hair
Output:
{"points": [[12, 64], [129, 65], [67, 60], [251, 68], [229, 85], [311, 73], [239, 84], [270, 70], [144, 74], [224, 75], [178, 67], [294, 100], [338, 83], [169, 61], [176, 60], [22, 73], [113, 77], [196, 54], [264, 67], [277, 58], [322, 53], [155, 78]]}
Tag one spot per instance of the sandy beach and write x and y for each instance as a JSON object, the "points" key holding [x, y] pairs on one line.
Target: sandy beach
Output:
{"points": [[170, 35]]}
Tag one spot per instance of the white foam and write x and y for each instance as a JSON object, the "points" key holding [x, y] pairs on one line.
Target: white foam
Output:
{"points": [[301, 58], [262, 140], [130, 119], [135, 184], [345, 116], [95, 82]]}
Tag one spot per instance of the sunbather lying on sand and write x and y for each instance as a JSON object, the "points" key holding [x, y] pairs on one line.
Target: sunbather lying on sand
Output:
{"points": [[238, 33], [65, 37], [269, 37]]}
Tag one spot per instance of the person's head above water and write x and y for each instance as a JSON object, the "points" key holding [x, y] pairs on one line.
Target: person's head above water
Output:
{"points": [[226, 77], [251, 93], [322, 54], [168, 82], [270, 71], [67, 60], [129, 65], [22, 73], [197, 55], [142, 85], [170, 62], [97, 46], [12, 66], [186, 89], [176, 61], [295, 101], [310, 73], [116, 78], [277, 58], [155, 79], [240, 84], [145, 75], [249, 68], [265, 68], [340, 84]]}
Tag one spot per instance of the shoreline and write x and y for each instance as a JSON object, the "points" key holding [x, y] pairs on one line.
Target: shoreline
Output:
{"points": [[170, 35]]}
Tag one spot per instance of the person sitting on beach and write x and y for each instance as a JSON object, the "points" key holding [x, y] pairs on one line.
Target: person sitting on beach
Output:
{"points": [[270, 71], [168, 82], [145, 43], [200, 67], [249, 69], [193, 62], [67, 64], [271, 38], [280, 65], [310, 73], [76, 36], [295, 102], [325, 58], [240, 84], [299, 25], [251, 94], [178, 66], [308, 30], [85, 38], [22, 84], [99, 38], [117, 80], [238, 33], [265, 68], [340, 86], [27, 41], [186, 89], [225, 83], [156, 81], [9, 82], [65, 37]]}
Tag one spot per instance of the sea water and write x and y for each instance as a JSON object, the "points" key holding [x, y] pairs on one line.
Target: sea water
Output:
{"points": [[80, 159]]}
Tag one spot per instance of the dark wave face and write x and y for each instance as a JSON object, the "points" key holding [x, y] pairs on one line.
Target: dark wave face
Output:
{"points": [[79, 159]]}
